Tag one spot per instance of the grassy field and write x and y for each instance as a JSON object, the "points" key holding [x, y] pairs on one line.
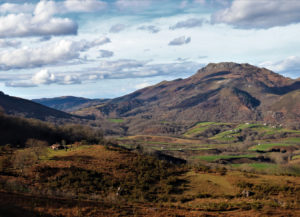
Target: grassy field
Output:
{"points": [[296, 157], [257, 166], [211, 158], [265, 147], [200, 128], [263, 130], [295, 140], [113, 120], [223, 145]]}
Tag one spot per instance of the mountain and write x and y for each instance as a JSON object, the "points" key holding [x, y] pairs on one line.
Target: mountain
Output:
{"points": [[288, 106], [26, 108], [69, 103], [218, 92]]}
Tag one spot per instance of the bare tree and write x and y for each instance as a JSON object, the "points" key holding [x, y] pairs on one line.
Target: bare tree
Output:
{"points": [[38, 147], [23, 159]]}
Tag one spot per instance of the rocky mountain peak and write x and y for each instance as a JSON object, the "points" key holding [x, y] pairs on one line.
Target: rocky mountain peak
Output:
{"points": [[223, 65], [245, 71]]}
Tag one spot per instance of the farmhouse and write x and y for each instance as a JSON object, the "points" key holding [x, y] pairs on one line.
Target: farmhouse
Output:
{"points": [[57, 147]]}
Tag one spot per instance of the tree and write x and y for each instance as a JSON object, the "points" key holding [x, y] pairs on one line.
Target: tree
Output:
{"points": [[38, 147], [24, 158]]}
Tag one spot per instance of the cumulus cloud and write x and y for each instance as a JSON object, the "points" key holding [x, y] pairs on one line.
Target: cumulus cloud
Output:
{"points": [[150, 28], [40, 23], [43, 77], [117, 69], [105, 53], [259, 14], [128, 68], [180, 41], [52, 53], [289, 66], [70, 79], [189, 23], [9, 43], [61, 7], [24, 20], [16, 8], [117, 28]]}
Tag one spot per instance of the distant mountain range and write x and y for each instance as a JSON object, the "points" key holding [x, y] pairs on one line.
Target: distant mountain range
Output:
{"points": [[218, 92], [69, 103], [223, 92]]}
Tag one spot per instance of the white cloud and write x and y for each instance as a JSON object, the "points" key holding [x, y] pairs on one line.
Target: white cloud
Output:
{"points": [[70, 79], [84, 5], [117, 28], [289, 66], [259, 14], [9, 43], [16, 8], [129, 68], [19, 84], [189, 23], [93, 77], [52, 53], [118, 69], [40, 23], [61, 7], [180, 41], [41, 20], [142, 85], [43, 77]]}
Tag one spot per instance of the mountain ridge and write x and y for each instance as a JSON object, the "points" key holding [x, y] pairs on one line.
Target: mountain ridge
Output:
{"points": [[68, 103], [218, 92]]}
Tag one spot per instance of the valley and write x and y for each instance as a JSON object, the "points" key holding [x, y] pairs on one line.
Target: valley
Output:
{"points": [[147, 108], [223, 142], [249, 147]]}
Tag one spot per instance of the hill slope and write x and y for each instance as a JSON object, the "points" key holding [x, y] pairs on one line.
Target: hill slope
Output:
{"points": [[68, 103], [218, 92], [26, 108]]}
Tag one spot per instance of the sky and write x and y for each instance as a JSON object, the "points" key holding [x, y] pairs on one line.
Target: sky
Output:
{"points": [[109, 48]]}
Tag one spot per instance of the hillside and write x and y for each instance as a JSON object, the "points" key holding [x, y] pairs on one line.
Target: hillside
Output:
{"points": [[15, 131], [68, 103], [26, 108], [288, 105], [218, 92], [103, 181]]}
